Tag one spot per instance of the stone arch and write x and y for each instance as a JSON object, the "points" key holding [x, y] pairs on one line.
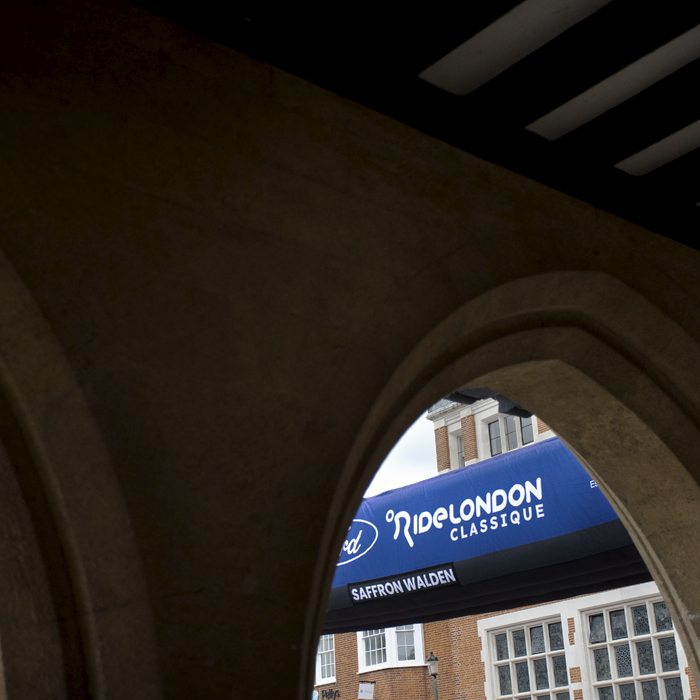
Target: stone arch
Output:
{"points": [[75, 620], [616, 378]]}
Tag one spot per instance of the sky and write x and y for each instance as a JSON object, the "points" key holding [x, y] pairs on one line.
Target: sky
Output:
{"points": [[411, 460]]}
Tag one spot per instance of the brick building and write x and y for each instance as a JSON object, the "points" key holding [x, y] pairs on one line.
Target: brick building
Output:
{"points": [[615, 645]]}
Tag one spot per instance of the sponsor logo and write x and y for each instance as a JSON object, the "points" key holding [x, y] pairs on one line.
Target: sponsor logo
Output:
{"points": [[517, 498], [362, 536]]}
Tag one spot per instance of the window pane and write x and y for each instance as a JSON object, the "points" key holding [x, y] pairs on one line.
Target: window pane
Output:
{"points": [[327, 666], [502, 646], [326, 656], [597, 624], [325, 642], [641, 620], [650, 690], [627, 692], [645, 655], [527, 431], [618, 626], [602, 664], [407, 653], [375, 647], [460, 451], [541, 679], [523, 675], [663, 617], [624, 660], [519, 648], [537, 640], [556, 637], [495, 438], [504, 680], [669, 658], [674, 690], [560, 675], [511, 433], [605, 693], [563, 696], [405, 644]]}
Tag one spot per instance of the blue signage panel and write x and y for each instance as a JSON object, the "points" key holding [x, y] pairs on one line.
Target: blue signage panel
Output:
{"points": [[409, 551], [520, 497]]}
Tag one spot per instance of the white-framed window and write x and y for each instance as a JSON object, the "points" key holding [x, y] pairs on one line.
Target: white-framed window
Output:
{"points": [[325, 659], [527, 430], [391, 646], [528, 661], [460, 452], [633, 652], [507, 433], [456, 444]]}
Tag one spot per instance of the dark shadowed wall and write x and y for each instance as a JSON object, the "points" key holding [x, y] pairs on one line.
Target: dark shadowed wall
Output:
{"points": [[226, 293]]}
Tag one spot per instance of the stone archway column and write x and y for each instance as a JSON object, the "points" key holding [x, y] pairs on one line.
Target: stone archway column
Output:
{"points": [[612, 375], [74, 607]]}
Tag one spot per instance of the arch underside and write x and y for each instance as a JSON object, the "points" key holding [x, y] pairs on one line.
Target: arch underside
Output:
{"points": [[75, 620]]}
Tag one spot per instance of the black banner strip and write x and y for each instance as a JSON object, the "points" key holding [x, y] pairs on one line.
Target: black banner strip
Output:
{"points": [[587, 561]]}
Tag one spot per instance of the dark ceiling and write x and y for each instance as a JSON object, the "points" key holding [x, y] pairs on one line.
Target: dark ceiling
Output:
{"points": [[374, 57]]}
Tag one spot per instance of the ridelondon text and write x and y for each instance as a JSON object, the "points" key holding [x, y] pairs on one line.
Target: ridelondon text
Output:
{"points": [[519, 498]]}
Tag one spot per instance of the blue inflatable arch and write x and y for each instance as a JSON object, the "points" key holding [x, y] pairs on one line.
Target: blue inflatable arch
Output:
{"points": [[526, 527]]}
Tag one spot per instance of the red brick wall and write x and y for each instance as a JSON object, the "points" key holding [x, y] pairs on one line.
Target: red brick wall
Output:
{"points": [[391, 683], [542, 427], [462, 674], [455, 643], [442, 449], [345, 668], [397, 684], [469, 438]]}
